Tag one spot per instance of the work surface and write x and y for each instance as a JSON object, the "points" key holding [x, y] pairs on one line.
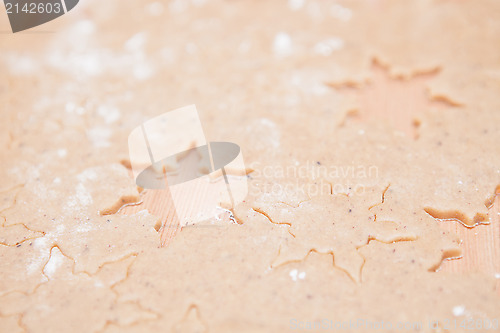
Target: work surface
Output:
{"points": [[405, 92], [397, 101]]}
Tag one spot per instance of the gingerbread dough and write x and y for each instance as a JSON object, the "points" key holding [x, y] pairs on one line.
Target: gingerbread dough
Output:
{"points": [[341, 223]]}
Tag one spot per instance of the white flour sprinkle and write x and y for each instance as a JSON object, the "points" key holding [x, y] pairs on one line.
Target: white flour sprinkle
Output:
{"points": [[60, 229], [62, 153], [143, 71], [296, 275], [73, 108], [42, 245], [141, 67], [327, 47], [19, 64], [296, 4], [100, 136], [87, 174], [282, 45], [34, 265], [55, 261], [84, 27], [84, 64], [110, 114], [136, 42], [266, 131], [459, 310], [83, 227], [79, 200], [310, 83], [82, 197]]}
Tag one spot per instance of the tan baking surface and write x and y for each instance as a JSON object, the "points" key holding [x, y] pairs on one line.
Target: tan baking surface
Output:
{"points": [[401, 102], [282, 95]]}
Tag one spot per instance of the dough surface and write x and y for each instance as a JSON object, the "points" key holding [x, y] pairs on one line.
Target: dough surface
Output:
{"points": [[343, 223]]}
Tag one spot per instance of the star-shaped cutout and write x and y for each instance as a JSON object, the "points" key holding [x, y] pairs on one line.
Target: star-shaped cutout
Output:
{"points": [[336, 224]]}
